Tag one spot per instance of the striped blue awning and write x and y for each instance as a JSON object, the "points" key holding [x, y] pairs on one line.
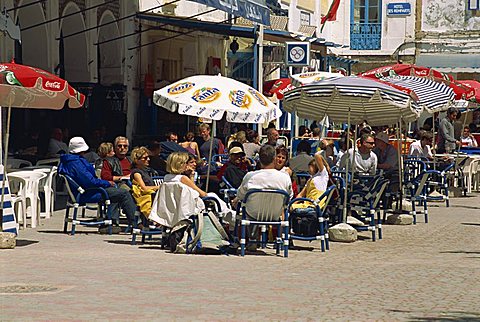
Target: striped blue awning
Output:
{"points": [[433, 96], [353, 98]]}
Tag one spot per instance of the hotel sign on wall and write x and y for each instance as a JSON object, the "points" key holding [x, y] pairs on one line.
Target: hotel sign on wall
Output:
{"points": [[399, 9]]}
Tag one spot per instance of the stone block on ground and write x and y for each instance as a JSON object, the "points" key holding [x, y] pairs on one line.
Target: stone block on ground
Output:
{"points": [[7, 240], [400, 219], [354, 221], [342, 233]]}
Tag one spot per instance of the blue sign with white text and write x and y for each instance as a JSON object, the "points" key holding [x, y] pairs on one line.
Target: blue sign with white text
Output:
{"points": [[399, 9]]}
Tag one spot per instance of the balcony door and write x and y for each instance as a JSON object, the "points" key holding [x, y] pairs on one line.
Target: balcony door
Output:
{"points": [[366, 24]]}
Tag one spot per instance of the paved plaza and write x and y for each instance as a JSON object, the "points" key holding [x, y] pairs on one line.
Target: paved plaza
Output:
{"points": [[416, 273]]}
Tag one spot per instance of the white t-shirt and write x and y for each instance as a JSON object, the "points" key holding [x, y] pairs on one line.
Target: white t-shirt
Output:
{"points": [[320, 180], [417, 150], [468, 141], [263, 179], [364, 164]]}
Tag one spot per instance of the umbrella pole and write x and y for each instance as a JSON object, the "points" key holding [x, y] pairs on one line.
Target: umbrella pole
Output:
{"points": [[353, 159], [209, 165], [345, 194], [400, 163], [434, 144], [4, 178]]}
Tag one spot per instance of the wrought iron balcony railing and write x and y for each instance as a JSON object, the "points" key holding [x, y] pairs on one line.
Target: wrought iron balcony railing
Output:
{"points": [[365, 36]]}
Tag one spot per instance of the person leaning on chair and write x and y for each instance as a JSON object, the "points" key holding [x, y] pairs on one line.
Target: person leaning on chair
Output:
{"points": [[83, 173], [446, 133]]}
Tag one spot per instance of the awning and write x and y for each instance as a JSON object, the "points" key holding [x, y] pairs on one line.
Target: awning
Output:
{"points": [[235, 31], [254, 10], [451, 63]]}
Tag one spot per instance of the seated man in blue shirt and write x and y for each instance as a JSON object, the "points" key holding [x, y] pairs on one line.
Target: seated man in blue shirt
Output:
{"points": [[77, 167]]}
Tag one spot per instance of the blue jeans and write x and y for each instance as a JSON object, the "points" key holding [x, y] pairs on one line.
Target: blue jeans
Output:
{"points": [[125, 200]]}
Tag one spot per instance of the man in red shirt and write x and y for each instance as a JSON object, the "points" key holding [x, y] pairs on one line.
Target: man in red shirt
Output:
{"points": [[119, 166]]}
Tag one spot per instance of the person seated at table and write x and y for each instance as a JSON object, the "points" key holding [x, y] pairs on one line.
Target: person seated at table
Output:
{"points": [[143, 186], [468, 140], [387, 155], [190, 145], [422, 146], [156, 162], [56, 146], [327, 150], [252, 147], [300, 162], [104, 150], [317, 184], [272, 137], [236, 167], [191, 168], [118, 166], [281, 164], [342, 148], [365, 161], [82, 172], [304, 132]]}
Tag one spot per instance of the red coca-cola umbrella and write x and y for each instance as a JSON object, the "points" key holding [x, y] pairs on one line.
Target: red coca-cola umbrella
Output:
{"points": [[30, 87], [406, 70], [461, 91], [277, 87], [473, 84]]}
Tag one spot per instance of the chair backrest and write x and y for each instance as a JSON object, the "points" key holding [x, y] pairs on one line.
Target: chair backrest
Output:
{"points": [[52, 162], [265, 204], [158, 180], [17, 184], [378, 192], [72, 187], [412, 168], [18, 163], [174, 202]]}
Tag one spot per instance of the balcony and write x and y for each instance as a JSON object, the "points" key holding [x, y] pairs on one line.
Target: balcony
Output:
{"points": [[365, 36]]}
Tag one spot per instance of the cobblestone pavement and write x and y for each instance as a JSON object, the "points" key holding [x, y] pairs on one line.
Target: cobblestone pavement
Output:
{"points": [[416, 273]]}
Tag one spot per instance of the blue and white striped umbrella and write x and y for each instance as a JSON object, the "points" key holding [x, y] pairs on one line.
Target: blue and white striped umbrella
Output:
{"points": [[352, 97], [433, 96]]}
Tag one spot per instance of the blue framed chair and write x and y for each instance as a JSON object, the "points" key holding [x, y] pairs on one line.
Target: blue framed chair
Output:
{"points": [[265, 207], [366, 204], [227, 190], [321, 217], [92, 199]]}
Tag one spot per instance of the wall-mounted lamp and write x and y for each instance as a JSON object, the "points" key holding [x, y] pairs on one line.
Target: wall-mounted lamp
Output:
{"points": [[234, 46]]}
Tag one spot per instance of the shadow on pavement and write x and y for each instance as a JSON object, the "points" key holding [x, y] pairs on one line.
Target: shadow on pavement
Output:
{"points": [[449, 316], [460, 252], [470, 224], [25, 242]]}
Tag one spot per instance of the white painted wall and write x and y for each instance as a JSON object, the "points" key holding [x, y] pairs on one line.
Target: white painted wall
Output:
{"points": [[184, 8], [395, 30]]}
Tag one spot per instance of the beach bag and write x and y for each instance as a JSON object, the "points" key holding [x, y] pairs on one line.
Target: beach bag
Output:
{"points": [[304, 222], [200, 234]]}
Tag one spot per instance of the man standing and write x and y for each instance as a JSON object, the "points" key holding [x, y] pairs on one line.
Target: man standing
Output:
{"points": [[422, 147], [446, 133], [365, 161], [218, 147], [119, 166], [82, 172]]}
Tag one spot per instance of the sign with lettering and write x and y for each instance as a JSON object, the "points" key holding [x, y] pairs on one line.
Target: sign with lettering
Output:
{"points": [[399, 9], [298, 53]]}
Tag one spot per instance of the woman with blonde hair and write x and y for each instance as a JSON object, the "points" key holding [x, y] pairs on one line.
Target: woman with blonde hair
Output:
{"points": [[177, 164]]}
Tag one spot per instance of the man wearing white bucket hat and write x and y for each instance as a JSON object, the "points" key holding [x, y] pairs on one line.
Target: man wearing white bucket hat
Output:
{"points": [[83, 173]]}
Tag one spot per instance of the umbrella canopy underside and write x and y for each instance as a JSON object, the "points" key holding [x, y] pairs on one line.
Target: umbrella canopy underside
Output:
{"points": [[377, 103]]}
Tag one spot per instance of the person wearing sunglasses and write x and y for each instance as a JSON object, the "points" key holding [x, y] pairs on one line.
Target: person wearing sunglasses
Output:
{"points": [[365, 161], [118, 167]]}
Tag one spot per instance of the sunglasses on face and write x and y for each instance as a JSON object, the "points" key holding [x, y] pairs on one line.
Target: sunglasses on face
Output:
{"points": [[122, 145]]}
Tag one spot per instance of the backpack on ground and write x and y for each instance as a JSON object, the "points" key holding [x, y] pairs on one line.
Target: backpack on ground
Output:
{"points": [[304, 222], [200, 234]]}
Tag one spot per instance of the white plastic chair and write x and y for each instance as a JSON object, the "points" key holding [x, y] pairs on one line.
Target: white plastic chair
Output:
{"points": [[17, 193], [48, 188], [475, 174], [50, 162], [32, 182], [18, 163]]}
